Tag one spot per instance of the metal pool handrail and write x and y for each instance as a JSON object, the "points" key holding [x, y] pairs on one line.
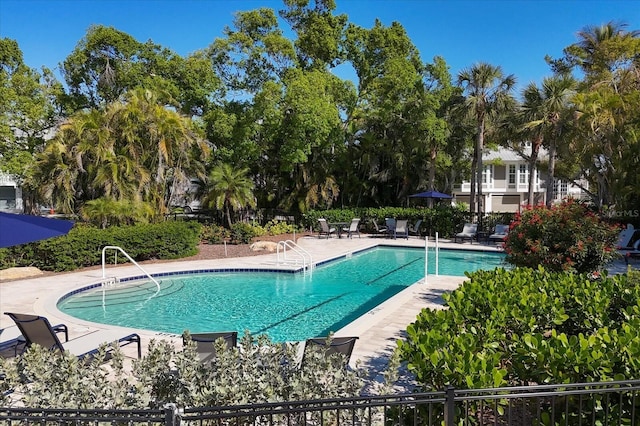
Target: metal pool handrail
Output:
{"points": [[104, 249], [296, 248]]}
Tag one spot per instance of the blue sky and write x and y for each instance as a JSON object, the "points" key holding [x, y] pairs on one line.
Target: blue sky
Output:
{"points": [[514, 34]]}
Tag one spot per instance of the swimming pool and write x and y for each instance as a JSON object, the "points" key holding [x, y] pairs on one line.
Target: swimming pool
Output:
{"points": [[286, 306]]}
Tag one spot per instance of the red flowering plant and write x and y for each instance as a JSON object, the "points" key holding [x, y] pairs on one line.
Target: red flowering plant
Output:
{"points": [[566, 237]]}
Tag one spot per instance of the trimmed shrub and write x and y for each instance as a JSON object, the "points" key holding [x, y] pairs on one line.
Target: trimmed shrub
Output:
{"points": [[258, 372], [525, 326], [565, 237], [446, 220], [83, 245], [214, 234], [275, 227], [243, 233]]}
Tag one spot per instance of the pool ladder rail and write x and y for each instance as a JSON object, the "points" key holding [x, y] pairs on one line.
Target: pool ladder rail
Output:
{"points": [[285, 248], [110, 281]]}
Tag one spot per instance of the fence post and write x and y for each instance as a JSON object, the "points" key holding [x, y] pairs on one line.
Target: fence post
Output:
{"points": [[450, 407], [171, 415]]}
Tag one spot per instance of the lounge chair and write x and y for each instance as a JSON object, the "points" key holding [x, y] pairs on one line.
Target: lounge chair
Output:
{"points": [[500, 233], [205, 343], [380, 230], [325, 229], [415, 229], [401, 229], [468, 232], [331, 345], [390, 224], [37, 330], [353, 228], [12, 338], [626, 238]]}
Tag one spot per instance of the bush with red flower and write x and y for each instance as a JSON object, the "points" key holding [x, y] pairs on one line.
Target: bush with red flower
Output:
{"points": [[566, 237]]}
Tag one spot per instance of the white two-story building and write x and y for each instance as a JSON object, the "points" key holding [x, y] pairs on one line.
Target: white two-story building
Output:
{"points": [[505, 183]]}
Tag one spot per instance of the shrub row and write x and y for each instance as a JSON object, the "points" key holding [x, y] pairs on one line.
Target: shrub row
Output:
{"points": [[528, 326], [258, 371], [244, 233], [446, 220], [83, 246]]}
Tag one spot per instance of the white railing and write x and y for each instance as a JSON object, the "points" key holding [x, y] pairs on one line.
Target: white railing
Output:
{"points": [[305, 256], [426, 257], [104, 275]]}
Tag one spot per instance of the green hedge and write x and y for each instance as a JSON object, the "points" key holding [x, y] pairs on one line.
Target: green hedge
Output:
{"points": [[446, 220], [82, 247], [528, 326]]}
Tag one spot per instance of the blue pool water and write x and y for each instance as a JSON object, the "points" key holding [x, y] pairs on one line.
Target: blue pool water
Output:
{"points": [[285, 306]]}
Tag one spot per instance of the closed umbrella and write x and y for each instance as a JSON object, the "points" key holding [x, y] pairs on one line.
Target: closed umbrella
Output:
{"points": [[18, 229]]}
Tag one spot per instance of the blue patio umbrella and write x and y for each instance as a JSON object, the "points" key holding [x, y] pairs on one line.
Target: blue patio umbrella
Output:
{"points": [[431, 194], [18, 229]]}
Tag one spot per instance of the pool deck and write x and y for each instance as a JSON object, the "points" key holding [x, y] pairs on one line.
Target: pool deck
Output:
{"points": [[378, 330]]}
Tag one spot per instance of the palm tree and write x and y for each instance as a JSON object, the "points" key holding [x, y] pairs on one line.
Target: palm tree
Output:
{"points": [[229, 189], [557, 93], [589, 50], [531, 111], [542, 112], [160, 140], [488, 93]]}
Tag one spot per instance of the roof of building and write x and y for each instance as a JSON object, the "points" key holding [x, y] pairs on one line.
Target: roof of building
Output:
{"points": [[506, 154]]}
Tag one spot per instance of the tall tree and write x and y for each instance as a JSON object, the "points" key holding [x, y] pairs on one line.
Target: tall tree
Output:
{"points": [[390, 119], [253, 52], [442, 97], [107, 63], [29, 111], [488, 94], [544, 114], [319, 32], [607, 110]]}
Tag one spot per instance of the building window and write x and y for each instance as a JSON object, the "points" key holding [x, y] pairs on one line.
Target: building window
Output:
{"points": [[560, 189], [512, 175], [487, 174], [7, 197], [524, 174]]}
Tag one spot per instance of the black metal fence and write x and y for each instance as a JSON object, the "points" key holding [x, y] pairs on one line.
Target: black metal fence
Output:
{"points": [[584, 404]]}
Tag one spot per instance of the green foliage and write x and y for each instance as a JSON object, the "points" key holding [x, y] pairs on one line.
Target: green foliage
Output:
{"points": [[42, 379], [229, 189], [83, 245], [243, 233], [510, 328], [103, 212], [258, 371], [27, 107], [276, 227], [109, 153], [565, 237], [446, 220], [214, 234]]}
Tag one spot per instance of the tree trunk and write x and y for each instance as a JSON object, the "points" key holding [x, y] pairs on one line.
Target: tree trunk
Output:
{"points": [[479, 170], [432, 172], [472, 192], [535, 148], [228, 212], [551, 177]]}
